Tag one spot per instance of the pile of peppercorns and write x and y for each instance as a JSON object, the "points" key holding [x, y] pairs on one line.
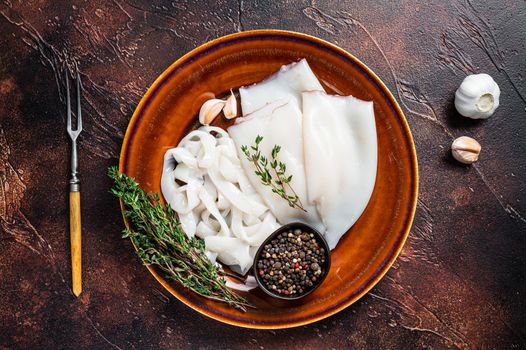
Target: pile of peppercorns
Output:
{"points": [[291, 264]]}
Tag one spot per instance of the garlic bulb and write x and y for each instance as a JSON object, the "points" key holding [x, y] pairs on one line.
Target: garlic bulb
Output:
{"points": [[477, 97], [465, 149]]}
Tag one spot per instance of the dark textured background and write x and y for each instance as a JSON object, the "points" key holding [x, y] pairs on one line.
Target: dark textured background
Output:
{"points": [[460, 281]]}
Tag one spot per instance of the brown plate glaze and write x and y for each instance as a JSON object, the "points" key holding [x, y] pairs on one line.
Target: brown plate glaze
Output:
{"points": [[168, 111]]}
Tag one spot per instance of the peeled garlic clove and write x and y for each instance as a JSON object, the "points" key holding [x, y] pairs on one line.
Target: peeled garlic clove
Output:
{"points": [[466, 150], [209, 110], [477, 97], [230, 109]]}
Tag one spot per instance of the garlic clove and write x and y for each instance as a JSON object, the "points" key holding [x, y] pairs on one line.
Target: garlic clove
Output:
{"points": [[230, 109], [477, 97], [209, 110], [466, 150]]}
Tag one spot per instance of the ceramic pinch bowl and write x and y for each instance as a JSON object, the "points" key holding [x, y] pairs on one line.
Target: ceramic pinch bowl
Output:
{"points": [[325, 266]]}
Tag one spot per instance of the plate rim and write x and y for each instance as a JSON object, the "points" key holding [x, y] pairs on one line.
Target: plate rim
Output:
{"points": [[407, 133]]}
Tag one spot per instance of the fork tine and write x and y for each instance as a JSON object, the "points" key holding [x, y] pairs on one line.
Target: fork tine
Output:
{"points": [[79, 111], [68, 103]]}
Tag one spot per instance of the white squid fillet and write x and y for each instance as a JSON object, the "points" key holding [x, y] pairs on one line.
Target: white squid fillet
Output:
{"points": [[279, 123], [232, 251], [289, 82], [341, 158], [204, 183]]}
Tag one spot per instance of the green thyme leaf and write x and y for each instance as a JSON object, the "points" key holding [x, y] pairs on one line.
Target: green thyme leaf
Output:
{"points": [[157, 234], [262, 170]]}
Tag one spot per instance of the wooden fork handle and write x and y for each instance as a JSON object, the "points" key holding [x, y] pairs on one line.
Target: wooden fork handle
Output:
{"points": [[76, 242]]}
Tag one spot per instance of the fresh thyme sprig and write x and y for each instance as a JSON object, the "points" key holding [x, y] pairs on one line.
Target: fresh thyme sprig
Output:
{"points": [[160, 241], [281, 180]]}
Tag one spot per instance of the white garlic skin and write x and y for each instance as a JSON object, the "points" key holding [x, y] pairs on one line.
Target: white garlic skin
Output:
{"points": [[477, 97], [466, 149], [230, 109], [209, 110]]}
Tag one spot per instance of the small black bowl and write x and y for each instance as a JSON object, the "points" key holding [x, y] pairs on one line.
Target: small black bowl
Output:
{"points": [[325, 266]]}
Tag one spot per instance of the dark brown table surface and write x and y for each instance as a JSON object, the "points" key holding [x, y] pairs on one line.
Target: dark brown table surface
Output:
{"points": [[460, 281]]}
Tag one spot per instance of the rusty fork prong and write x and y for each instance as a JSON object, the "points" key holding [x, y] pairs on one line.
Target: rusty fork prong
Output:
{"points": [[74, 133]]}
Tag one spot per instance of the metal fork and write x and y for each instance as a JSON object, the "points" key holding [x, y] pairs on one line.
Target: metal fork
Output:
{"points": [[74, 194]]}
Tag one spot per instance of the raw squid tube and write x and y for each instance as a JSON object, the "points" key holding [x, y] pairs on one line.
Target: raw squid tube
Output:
{"points": [[179, 198], [341, 158], [230, 251], [205, 184], [279, 123], [289, 82]]}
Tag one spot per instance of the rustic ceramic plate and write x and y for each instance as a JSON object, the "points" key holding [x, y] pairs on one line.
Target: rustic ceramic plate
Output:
{"points": [[168, 111]]}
